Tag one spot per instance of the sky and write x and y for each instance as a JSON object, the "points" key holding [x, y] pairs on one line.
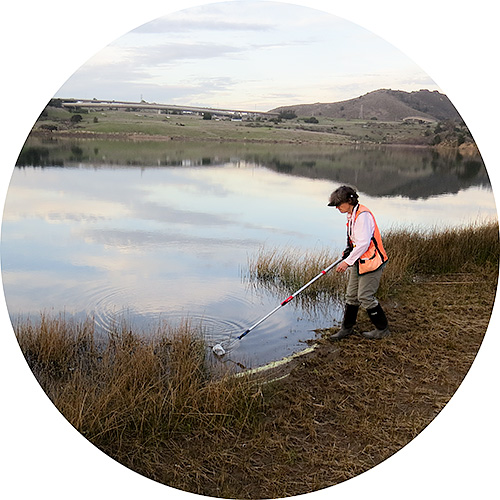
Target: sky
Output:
{"points": [[246, 55]]}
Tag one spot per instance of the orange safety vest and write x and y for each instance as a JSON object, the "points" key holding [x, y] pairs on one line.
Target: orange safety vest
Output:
{"points": [[376, 255]]}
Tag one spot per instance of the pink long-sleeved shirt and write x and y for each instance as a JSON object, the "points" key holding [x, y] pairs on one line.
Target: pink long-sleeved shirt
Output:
{"points": [[360, 231]]}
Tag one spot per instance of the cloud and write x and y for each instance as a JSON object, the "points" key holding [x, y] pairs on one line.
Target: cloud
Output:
{"points": [[245, 55], [144, 240], [130, 59], [171, 52], [180, 25], [153, 73]]}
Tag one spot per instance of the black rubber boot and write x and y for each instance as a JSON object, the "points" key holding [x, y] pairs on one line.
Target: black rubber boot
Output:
{"points": [[350, 315], [379, 320]]}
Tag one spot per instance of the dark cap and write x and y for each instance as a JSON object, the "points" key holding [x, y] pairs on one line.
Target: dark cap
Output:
{"points": [[343, 194]]}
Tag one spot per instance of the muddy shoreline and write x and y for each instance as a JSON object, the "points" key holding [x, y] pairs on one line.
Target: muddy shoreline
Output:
{"points": [[343, 407]]}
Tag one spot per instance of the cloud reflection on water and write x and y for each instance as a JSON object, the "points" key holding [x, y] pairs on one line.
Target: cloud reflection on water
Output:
{"points": [[160, 243]]}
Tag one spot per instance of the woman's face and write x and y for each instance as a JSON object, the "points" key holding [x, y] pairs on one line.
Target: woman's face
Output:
{"points": [[344, 208]]}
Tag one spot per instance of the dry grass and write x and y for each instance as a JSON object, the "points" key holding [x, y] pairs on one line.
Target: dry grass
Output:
{"points": [[353, 404], [129, 388], [286, 270], [160, 408], [411, 251], [415, 251]]}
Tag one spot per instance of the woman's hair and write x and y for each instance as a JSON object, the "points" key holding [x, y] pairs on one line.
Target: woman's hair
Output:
{"points": [[343, 194]]}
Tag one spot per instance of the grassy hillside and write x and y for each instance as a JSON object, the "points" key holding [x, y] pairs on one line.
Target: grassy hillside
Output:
{"points": [[323, 129], [386, 105]]}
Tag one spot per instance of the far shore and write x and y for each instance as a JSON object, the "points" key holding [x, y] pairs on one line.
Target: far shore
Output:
{"points": [[466, 149], [148, 126]]}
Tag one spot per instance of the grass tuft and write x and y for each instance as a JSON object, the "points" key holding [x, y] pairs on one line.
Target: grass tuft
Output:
{"points": [[129, 387], [156, 403], [287, 270], [439, 251], [411, 252]]}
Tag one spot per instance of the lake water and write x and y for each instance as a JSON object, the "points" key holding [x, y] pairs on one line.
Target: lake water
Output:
{"points": [[161, 231]]}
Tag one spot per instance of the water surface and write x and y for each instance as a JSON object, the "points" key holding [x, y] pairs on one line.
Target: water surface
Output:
{"points": [[162, 231]]}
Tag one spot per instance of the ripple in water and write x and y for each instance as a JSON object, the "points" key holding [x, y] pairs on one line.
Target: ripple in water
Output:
{"points": [[113, 306], [144, 309]]}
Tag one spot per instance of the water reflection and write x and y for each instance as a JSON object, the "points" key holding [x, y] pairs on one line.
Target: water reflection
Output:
{"points": [[162, 231], [375, 170]]}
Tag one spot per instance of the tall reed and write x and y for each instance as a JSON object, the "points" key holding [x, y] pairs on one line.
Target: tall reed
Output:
{"points": [[129, 387], [411, 251], [438, 251], [286, 270], [157, 405]]}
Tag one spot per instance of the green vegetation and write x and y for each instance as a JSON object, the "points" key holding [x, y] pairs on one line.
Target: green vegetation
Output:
{"points": [[156, 404], [286, 128], [287, 114], [383, 116], [451, 133]]}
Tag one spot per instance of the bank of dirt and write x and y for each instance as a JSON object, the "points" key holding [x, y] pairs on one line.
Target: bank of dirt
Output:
{"points": [[345, 406]]}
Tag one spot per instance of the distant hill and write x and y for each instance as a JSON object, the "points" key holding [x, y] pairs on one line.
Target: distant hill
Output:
{"points": [[385, 105]]}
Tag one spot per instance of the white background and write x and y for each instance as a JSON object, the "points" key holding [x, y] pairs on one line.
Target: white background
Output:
{"points": [[43, 43]]}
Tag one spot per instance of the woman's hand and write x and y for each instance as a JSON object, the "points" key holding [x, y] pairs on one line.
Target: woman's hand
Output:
{"points": [[342, 267]]}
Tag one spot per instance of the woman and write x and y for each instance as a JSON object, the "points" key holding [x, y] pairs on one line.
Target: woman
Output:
{"points": [[366, 255]]}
